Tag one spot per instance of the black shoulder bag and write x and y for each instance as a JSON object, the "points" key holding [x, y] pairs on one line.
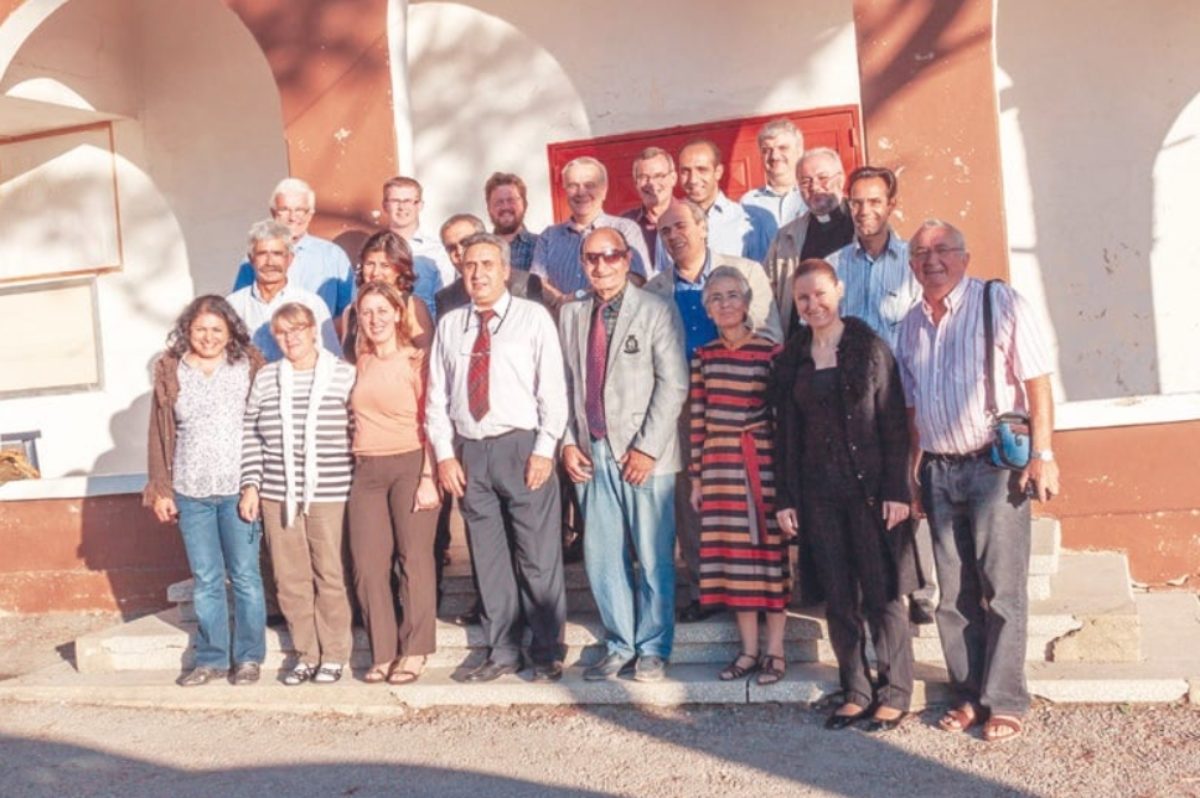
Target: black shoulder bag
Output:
{"points": [[1011, 442]]}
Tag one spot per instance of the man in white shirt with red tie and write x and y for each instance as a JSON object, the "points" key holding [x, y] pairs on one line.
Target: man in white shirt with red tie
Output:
{"points": [[496, 407]]}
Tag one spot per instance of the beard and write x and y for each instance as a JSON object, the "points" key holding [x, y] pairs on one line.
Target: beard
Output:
{"points": [[507, 226]]}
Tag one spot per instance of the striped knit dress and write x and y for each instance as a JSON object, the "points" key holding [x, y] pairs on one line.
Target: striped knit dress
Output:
{"points": [[743, 556]]}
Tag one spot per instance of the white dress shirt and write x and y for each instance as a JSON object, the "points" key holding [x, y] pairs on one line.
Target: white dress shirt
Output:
{"points": [[526, 386]]}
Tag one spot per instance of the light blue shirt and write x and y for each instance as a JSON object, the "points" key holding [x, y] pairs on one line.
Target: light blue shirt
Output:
{"points": [[320, 267], [782, 207], [745, 232], [248, 303], [556, 255], [432, 269], [879, 291]]}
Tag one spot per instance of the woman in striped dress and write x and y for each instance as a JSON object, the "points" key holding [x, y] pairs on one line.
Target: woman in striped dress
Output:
{"points": [[743, 555], [296, 469]]}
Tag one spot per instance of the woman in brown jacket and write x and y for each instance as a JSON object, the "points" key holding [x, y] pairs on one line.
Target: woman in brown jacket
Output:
{"points": [[194, 463]]}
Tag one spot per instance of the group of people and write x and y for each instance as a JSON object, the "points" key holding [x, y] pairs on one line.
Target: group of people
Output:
{"points": [[726, 378]]}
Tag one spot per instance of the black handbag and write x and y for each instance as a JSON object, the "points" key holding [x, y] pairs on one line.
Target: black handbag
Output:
{"points": [[1011, 441]]}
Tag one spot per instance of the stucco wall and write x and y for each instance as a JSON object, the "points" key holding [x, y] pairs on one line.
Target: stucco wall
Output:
{"points": [[493, 82], [200, 149]]}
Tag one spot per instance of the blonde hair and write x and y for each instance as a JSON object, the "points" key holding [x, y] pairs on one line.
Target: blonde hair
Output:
{"points": [[292, 313], [404, 331]]}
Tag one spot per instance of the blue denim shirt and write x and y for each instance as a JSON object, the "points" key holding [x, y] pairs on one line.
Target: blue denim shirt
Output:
{"points": [[698, 328]]}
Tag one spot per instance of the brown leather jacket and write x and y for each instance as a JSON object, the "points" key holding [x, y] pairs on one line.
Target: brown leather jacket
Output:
{"points": [[160, 442]]}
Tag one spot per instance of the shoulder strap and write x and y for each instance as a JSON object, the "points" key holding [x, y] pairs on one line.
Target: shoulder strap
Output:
{"points": [[989, 347]]}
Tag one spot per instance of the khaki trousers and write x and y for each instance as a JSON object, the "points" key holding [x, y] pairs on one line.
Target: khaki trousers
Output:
{"points": [[310, 578]]}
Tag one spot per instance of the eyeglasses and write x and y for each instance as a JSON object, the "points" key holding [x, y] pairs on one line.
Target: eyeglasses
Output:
{"points": [[291, 332], [728, 296], [403, 202], [610, 256], [819, 180], [941, 251], [657, 177], [452, 248], [291, 212]]}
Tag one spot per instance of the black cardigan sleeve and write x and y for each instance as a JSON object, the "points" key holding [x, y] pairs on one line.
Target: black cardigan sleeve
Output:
{"points": [[892, 418]]}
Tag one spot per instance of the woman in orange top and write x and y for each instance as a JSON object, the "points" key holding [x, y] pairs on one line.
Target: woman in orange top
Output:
{"points": [[393, 499]]}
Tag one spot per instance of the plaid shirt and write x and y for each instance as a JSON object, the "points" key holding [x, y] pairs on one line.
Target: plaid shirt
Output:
{"points": [[521, 249]]}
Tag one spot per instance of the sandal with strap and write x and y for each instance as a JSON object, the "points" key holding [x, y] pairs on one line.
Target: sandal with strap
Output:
{"points": [[328, 673], [736, 671], [299, 674], [404, 673], [377, 673], [771, 670], [1001, 729], [958, 720]]}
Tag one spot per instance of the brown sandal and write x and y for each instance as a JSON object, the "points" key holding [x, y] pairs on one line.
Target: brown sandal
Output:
{"points": [[736, 671], [376, 673], [403, 673], [771, 670], [958, 720], [1001, 729]]}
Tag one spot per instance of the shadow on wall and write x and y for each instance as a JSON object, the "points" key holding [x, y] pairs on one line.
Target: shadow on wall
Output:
{"points": [[138, 556], [1092, 130]]}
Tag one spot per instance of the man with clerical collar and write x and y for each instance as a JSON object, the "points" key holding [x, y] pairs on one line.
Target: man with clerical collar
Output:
{"points": [[655, 178], [744, 232], [780, 143], [507, 202], [556, 256], [820, 231]]}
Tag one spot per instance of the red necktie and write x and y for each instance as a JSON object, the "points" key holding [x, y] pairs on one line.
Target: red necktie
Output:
{"points": [[477, 375], [597, 364]]}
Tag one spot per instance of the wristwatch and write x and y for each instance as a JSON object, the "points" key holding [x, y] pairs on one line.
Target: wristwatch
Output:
{"points": [[1045, 455]]}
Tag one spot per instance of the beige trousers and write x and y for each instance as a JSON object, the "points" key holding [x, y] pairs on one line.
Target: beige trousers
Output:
{"points": [[310, 578]]}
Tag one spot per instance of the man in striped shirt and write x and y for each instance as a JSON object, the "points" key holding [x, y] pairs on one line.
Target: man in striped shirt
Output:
{"points": [[979, 514]]}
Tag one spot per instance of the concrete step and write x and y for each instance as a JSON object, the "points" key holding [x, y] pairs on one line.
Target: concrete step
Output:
{"points": [[1092, 618]]}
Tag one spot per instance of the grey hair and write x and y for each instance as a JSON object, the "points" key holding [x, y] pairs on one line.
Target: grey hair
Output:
{"points": [[821, 152], [586, 160], [726, 272], [270, 230], [937, 224], [489, 238], [699, 215], [780, 127], [458, 218], [294, 185], [650, 153]]}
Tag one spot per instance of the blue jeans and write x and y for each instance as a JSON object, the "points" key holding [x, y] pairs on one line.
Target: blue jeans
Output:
{"points": [[617, 514], [219, 544], [980, 523]]}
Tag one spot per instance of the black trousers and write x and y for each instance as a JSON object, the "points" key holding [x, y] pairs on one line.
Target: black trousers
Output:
{"points": [[852, 562], [518, 558]]}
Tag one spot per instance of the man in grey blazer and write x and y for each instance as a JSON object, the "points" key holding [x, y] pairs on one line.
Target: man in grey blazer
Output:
{"points": [[626, 384], [684, 230]]}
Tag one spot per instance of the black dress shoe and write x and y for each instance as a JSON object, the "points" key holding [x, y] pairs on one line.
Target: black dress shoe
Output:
{"points": [[835, 721], [879, 725], [547, 671], [695, 612], [471, 617], [920, 611], [490, 671]]}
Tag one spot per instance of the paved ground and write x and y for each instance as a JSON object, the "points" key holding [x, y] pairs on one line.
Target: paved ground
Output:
{"points": [[58, 750]]}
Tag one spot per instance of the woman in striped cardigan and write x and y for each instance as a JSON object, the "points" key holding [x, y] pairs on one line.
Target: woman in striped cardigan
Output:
{"points": [[296, 470]]}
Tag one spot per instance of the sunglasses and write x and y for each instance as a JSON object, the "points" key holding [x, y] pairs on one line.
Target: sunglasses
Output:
{"points": [[610, 256]]}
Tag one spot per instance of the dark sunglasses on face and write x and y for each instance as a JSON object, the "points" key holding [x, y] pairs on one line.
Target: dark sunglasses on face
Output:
{"points": [[611, 257]]}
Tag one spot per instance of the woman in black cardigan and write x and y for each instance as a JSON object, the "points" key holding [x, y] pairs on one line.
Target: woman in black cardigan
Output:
{"points": [[842, 456]]}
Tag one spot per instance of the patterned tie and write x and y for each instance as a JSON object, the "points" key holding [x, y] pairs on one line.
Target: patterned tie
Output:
{"points": [[597, 364], [477, 375]]}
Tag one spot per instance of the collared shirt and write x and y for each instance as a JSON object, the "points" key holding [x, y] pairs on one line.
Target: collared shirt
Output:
{"points": [[556, 256], [431, 267], [879, 290], [698, 328], [520, 249], [782, 207], [256, 313], [661, 260], [320, 267], [742, 231], [526, 385], [942, 366], [609, 311]]}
